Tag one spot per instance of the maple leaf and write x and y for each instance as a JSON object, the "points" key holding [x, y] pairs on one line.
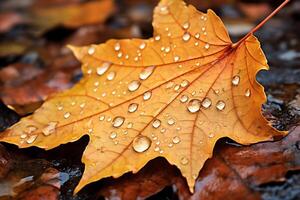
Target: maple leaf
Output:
{"points": [[173, 95]]}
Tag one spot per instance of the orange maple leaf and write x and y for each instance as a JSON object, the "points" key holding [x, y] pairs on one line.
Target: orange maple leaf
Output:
{"points": [[173, 95]]}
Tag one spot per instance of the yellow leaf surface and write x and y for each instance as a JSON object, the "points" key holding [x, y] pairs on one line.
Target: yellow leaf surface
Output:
{"points": [[173, 95]]}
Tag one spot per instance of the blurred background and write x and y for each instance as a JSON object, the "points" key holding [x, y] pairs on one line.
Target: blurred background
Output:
{"points": [[34, 63]]}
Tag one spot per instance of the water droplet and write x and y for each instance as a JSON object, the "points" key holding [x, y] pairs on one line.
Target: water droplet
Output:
{"points": [[91, 50], [163, 130], [176, 140], [184, 83], [113, 135], [156, 148], [164, 10], [133, 107], [67, 115], [82, 105], [157, 38], [120, 54], [60, 107], [176, 58], [194, 105], [130, 125], [30, 129], [176, 88], [118, 121], [197, 35], [141, 144], [184, 98], [235, 80], [101, 70], [203, 29], [111, 76], [186, 25], [206, 46], [184, 160], [156, 123], [133, 86], [147, 96], [169, 85], [117, 47], [102, 117], [23, 136], [48, 130], [31, 139], [142, 45], [167, 49], [171, 121], [206, 103], [220, 105], [186, 37], [146, 73], [248, 93], [211, 135]]}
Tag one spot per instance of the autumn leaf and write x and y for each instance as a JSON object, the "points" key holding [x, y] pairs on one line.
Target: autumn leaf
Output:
{"points": [[172, 96], [72, 16]]}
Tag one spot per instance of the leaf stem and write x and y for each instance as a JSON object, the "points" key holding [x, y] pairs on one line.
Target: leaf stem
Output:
{"points": [[261, 23]]}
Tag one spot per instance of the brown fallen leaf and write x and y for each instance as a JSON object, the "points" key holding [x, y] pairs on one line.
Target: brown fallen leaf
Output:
{"points": [[5, 161], [173, 95], [8, 20], [232, 171]]}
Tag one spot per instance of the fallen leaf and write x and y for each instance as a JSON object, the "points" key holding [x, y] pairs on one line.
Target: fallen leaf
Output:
{"points": [[72, 16], [173, 95]]}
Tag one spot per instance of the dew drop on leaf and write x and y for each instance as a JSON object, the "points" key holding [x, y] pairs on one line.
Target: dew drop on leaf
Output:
{"points": [[186, 25], [102, 117], [130, 125], [134, 85], [147, 96], [184, 83], [184, 160], [91, 50], [146, 73], [67, 115], [156, 123], [164, 10], [31, 139], [157, 38], [117, 47], [206, 46], [141, 144], [171, 121], [206, 103], [248, 93], [184, 99], [176, 58], [176, 139], [236, 80], [142, 46], [194, 105], [220, 105], [103, 68], [113, 135], [132, 107], [48, 130], [111, 76], [118, 121], [186, 37], [23, 136]]}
